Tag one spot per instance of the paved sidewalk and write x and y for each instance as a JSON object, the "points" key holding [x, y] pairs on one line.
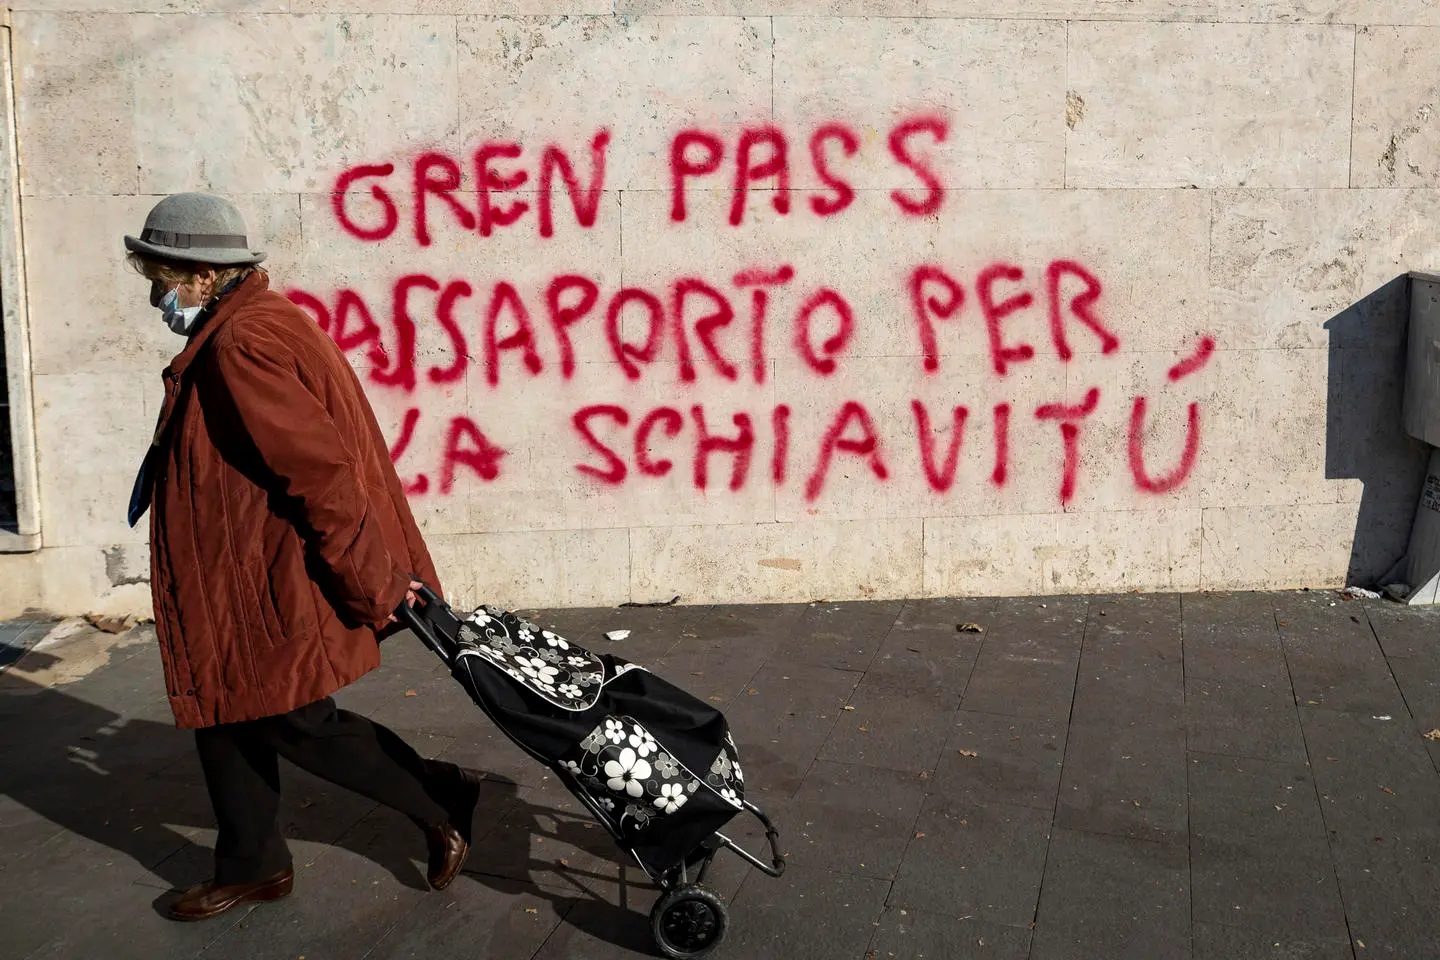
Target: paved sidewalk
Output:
{"points": [[1212, 776]]}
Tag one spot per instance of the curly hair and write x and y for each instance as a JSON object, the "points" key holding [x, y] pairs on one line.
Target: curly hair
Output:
{"points": [[172, 273]]}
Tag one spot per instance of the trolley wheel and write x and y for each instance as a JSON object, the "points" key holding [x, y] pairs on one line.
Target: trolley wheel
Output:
{"points": [[689, 922]]}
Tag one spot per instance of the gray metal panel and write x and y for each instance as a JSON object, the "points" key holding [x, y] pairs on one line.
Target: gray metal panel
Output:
{"points": [[1422, 362]]}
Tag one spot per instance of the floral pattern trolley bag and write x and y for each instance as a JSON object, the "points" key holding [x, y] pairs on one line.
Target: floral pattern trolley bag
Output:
{"points": [[654, 764]]}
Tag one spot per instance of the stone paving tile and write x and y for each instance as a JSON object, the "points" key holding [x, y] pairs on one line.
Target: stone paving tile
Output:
{"points": [[919, 935], [1334, 659], [1403, 631], [504, 922], [1230, 637], [925, 650], [1242, 717], [1378, 782], [1214, 942], [804, 915], [545, 837], [343, 904], [1041, 686], [87, 909], [709, 671], [844, 636], [1027, 661], [1125, 777], [1132, 659], [974, 860], [892, 724], [1388, 886], [782, 727], [1260, 857], [1112, 897], [1015, 760], [855, 819]]}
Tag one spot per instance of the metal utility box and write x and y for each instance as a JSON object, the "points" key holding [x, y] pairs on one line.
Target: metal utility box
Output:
{"points": [[1416, 578], [1422, 360]]}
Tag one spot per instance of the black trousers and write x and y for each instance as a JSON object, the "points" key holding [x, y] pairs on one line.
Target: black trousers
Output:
{"points": [[242, 774]]}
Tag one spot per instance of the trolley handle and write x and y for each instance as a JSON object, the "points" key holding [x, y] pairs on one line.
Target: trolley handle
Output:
{"points": [[420, 625], [776, 866]]}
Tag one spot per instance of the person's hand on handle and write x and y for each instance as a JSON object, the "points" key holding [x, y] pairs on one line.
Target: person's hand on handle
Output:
{"points": [[411, 597]]}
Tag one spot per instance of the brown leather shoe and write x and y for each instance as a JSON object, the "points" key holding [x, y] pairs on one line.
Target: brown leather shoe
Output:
{"points": [[447, 855], [209, 900]]}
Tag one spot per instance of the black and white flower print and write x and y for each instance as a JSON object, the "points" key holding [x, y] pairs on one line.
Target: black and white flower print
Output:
{"points": [[623, 762], [725, 776], [627, 773], [540, 660], [641, 741], [672, 797], [538, 670]]}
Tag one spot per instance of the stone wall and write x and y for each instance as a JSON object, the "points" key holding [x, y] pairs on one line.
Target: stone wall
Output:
{"points": [[747, 300]]}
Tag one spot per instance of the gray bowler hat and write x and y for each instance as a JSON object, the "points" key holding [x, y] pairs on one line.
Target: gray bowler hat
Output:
{"points": [[196, 228]]}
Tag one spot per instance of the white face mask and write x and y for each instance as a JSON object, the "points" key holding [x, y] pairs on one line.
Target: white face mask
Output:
{"points": [[179, 319]]}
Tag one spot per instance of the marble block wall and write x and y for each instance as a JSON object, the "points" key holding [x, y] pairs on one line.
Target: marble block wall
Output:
{"points": [[770, 300]]}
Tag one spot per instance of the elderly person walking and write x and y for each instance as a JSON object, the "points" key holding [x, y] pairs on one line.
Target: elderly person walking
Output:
{"points": [[281, 547]]}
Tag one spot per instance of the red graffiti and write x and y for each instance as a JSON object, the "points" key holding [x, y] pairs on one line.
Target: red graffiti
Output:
{"points": [[699, 328], [615, 468], [522, 338], [740, 445], [780, 424], [342, 186], [950, 298], [747, 171], [438, 177], [705, 327], [1173, 479], [445, 315], [683, 164], [1080, 307], [1002, 444], [563, 317], [760, 280], [1000, 355], [823, 362], [1070, 436], [942, 475], [626, 354], [443, 187], [926, 306], [900, 149], [695, 154], [844, 194], [673, 422], [1195, 361], [868, 446], [586, 206], [466, 445]]}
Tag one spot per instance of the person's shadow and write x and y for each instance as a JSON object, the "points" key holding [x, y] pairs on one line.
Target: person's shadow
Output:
{"points": [[134, 785]]}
